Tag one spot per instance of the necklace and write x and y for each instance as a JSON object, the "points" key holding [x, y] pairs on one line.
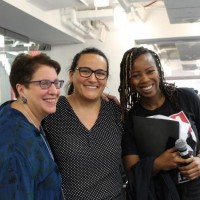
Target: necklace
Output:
{"points": [[29, 117], [42, 133]]}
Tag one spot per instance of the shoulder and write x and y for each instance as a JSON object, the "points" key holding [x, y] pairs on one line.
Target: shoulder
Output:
{"points": [[5, 108], [62, 113], [187, 93], [61, 101], [111, 105], [112, 110], [185, 90], [61, 107], [188, 99]]}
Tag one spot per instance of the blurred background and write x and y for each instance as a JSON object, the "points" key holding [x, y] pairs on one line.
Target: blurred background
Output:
{"points": [[61, 28]]}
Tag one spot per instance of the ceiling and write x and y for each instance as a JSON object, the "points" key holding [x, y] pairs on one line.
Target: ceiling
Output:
{"points": [[82, 20], [183, 11]]}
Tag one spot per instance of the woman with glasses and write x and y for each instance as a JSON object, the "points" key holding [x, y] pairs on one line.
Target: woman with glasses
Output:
{"points": [[85, 132], [28, 170]]}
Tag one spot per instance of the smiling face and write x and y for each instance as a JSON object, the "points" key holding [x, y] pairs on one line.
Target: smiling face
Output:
{"points": [[40, 101], [89, 88], [145, 78]]}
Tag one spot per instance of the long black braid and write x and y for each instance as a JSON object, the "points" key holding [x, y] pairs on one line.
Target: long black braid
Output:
{"points": [[128, 97]]}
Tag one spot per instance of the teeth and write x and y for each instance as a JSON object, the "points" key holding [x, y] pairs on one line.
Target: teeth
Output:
{"points": [[91, 87], [50, 100], [147, 88]]}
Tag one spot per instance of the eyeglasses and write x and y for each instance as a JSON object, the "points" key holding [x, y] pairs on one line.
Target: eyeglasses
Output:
{"points": [[46, 84], [87, 72]]}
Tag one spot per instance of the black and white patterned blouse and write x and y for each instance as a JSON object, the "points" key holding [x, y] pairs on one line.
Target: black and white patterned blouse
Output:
{"points": [[89, 160]]}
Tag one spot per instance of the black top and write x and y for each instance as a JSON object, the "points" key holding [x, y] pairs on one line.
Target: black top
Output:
{"points": [[189, 104], [89, 160]]}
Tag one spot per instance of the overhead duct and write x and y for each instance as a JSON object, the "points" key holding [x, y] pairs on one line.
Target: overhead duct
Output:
{"points": [[125, 5], [129, 8], [69, 19]]}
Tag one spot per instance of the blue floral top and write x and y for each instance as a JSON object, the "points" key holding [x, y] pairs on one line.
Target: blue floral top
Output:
{"points": [[27, 170]]}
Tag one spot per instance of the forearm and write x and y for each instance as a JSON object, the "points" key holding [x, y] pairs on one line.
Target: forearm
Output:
{"points": [[129, 161], [156, 166]]}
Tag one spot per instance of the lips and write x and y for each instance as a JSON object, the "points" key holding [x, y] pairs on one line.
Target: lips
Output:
{"points": [[51, 100]]}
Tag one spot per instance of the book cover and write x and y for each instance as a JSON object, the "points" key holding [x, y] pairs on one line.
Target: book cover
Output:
{"points": [[153, 136]]}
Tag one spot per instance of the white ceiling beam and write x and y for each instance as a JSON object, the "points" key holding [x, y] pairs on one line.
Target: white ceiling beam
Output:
{"points": [[94, 14]]}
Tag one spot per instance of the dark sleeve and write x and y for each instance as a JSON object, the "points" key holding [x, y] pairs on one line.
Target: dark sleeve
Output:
{"points": [[16, 180], [128, 142], [196, 109], [190, 103]]}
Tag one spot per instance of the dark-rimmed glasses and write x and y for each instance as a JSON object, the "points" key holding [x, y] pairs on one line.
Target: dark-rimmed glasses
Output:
{"points": [[87, 72], [46, 84]]}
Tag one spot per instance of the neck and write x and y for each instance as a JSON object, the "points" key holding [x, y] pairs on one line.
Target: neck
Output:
{"points": [[81, 103], [86, 110], [24, 108], [31, 117], [153, 103]]}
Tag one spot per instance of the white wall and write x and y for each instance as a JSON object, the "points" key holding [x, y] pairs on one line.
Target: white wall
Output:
{"points": [[117, 42], [113, 47]]}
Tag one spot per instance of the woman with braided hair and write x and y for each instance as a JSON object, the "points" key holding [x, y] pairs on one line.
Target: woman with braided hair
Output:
{"points": [[144, 92]]}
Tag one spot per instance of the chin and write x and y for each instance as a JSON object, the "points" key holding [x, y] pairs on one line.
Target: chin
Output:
{"points": [[94, 98], [50, 111], [150, 95]]}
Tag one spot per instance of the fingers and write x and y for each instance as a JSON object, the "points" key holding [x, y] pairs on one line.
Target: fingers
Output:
{"points": [[175, 154], [191, 170], [171, 150], [108, 97], [105, 97], [190, 174]]}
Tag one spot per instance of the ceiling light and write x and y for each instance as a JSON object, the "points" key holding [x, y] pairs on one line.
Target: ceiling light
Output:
{"points": [[101, 3]]}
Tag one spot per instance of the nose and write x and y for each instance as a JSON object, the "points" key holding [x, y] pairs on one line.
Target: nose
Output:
{"points": [[53, 89], [144, 78], [92, 77]]}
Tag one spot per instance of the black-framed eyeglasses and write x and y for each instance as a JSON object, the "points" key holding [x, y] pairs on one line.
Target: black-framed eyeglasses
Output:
{"points": [[46, 84], [87, 72]]}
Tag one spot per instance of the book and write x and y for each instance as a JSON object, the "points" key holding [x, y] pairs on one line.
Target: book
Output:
{"points": [[153, 136]]}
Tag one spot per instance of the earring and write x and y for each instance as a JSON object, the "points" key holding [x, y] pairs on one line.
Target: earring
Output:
{"points": [[24, 100]]}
